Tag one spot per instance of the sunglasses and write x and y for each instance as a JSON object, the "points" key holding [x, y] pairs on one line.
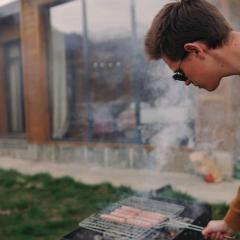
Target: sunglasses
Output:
{"points": [[179, 75]]}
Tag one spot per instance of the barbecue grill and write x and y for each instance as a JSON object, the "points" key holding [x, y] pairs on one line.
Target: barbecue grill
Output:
{"points": [[181, 216]]}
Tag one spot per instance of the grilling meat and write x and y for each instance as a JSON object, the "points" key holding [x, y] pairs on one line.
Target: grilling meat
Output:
{"points": [[125, 214], [154, 216], [134, 216], [112, 218], [130, 209], [138, 222], [149, 220]]}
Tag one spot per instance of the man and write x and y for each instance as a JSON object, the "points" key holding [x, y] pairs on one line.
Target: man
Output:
{"points": [[200, 47]]}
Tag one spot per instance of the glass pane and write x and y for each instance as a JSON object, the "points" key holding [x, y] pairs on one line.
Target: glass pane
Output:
{"points": [[145, 11], [11, 82], [67, 17], [91, 71], [102, 88], [110, 57], [15, 98], [13, 52], [14, 89], [66, 70]]}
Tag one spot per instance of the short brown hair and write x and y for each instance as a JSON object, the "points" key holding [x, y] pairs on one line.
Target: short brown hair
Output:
{"points": [[182, 22]]}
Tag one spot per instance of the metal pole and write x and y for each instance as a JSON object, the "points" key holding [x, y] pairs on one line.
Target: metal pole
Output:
{"points": [[136, 85], [87, 73]]}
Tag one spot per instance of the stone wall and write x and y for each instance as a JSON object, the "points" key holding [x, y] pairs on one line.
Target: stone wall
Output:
{"points": [[136, 157]]}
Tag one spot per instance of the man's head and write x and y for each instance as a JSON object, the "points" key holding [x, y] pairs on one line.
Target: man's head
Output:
{"points": [[183, 33]]}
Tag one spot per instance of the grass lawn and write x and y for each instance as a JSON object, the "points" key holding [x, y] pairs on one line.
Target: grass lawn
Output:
{"points": [[40, 207]]}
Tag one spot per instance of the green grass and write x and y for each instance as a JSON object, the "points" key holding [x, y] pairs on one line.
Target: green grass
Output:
{"points": [[40, 207]]}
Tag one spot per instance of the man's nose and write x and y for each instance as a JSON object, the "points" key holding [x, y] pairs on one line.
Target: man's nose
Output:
{"points": [[188, 82]]}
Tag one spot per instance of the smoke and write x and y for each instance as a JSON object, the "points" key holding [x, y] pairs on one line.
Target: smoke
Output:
{"points": [[174, 113], [167, 108]]}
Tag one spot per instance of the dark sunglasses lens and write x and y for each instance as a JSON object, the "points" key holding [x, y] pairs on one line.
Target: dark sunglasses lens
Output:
{"points": [[179, 76]]}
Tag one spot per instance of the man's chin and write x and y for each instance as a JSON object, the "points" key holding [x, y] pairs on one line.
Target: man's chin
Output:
{"points": [[211, 88]]}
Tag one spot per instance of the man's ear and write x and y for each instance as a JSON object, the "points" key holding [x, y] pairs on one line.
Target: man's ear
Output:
{"points": [[197, 48]]}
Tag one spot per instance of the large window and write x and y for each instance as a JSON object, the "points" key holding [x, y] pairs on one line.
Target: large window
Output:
{"points": [[12, 117], [14, 87], [101, 88]]}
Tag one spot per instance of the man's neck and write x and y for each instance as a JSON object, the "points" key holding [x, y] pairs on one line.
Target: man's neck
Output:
{"points": [[230, 55]]}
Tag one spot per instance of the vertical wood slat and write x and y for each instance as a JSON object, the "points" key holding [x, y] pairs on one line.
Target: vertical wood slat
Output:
{"points": [[34, 73]]}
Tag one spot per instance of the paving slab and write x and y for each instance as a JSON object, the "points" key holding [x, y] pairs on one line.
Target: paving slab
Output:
{"points": [[141, 180]]}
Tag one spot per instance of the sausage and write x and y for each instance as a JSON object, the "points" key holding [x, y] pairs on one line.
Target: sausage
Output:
{"points": [[149, 220], [119, 214], [152, 215], [130, 209], [139, 223], [134, 216], [124, 213], [130, 215], [112, 218]]}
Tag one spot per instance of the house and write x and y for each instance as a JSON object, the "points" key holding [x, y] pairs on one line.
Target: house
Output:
{"points": [[75, 87]]}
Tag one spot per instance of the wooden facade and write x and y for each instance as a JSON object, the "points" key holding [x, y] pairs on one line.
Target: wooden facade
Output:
{"points": [[31, 32], [35, 71]]}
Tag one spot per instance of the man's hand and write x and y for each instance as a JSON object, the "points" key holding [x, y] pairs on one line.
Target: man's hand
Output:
{"points": [[216, 230]]}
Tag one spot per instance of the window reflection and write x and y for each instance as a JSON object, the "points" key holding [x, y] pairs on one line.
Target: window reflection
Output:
{"points": [[146, 10], [110, 61], [97, 70], [14, 87]]}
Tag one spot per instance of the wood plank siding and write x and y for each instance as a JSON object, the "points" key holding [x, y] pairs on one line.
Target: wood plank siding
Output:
{"points": [[35, 71]]}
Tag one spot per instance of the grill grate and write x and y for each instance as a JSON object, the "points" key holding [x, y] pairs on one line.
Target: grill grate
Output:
{"points": [[114, 230], [165, 208], [127, 231]]}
